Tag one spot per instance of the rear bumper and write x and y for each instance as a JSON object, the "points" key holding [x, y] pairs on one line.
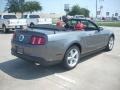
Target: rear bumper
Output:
{"points": [[43, 54], [40, 60], [16, 26]]}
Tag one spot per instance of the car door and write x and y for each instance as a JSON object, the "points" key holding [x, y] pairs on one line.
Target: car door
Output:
{"points": [[71, 23], [94, 39]]}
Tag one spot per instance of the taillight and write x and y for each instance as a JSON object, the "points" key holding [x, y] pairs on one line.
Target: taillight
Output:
{"points": [[37, 40]]}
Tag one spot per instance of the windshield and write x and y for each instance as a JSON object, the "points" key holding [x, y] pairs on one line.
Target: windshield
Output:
{"points": [[9, 17], [34, 16]]}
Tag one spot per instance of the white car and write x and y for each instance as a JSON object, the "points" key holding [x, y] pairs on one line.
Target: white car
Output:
{"points": [[33, 19], [10, 21], [79, 17]]}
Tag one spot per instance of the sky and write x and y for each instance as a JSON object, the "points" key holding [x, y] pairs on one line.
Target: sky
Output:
{"points": [[57, 6]]}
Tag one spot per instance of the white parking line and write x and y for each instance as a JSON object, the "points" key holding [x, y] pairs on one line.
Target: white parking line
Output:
{"points": [[113, 54], [65, 78]]}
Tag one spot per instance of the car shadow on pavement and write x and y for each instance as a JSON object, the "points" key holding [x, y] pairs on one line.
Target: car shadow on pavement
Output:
{"points": [[10, 32], [91, 55], [21, 69]]}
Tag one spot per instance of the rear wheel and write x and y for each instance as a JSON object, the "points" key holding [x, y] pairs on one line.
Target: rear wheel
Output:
{"points": [[5, 30], [71, 57], [110, 44]]}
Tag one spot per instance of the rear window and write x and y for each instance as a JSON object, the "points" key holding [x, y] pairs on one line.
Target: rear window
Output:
{"points": [[34, 16], [9, 17], [25, 16]]}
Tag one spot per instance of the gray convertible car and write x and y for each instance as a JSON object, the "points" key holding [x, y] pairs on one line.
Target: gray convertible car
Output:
{"points": [[50, 45]]}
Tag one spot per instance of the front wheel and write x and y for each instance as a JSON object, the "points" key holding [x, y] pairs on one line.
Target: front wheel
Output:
{"points": [[110, 44], [71, 57]]}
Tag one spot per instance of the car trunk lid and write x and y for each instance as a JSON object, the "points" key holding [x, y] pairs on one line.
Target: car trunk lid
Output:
{"points": [[25, 37]]}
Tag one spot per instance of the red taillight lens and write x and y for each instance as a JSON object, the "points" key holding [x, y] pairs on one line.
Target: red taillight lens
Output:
{"points": [[37, 40]]}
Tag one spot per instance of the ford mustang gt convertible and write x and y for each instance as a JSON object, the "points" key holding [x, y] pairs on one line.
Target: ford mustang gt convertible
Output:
{"points": [[52, 45]]}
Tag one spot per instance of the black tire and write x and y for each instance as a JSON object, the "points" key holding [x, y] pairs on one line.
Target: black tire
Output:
{"points": [[110, 44], [66, 61], [5, 30], [31, 25]]}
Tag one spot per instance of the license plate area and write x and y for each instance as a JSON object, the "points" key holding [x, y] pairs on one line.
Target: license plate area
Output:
{"points": [[19, 50]]}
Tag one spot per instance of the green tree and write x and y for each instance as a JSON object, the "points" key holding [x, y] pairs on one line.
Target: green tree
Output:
{"points": [[12, 6], [22, 6], [85, 12], [32, 6], [76, 10]]}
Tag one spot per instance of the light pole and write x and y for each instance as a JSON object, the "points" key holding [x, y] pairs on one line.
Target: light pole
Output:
{"points": [[66, 8], [1, 7], [96, 7]]}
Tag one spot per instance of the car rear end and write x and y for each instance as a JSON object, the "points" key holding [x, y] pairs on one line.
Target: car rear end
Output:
{"points": [[17, 23], [44, 21], [33, 46], [11, 21]]}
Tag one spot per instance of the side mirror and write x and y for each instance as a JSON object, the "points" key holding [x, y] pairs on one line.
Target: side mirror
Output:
{"points": [[101, 28]]}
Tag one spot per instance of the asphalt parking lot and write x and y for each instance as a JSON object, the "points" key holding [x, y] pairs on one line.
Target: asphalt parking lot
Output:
{"points": [[99, 71]]}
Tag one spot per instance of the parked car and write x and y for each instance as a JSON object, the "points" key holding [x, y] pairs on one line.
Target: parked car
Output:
{"points": [[79, 17], [10, 21], [49, 46], [34, 19]]}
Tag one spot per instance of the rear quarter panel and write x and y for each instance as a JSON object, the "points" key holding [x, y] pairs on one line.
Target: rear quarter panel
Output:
{"points": [[59, 43]]}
